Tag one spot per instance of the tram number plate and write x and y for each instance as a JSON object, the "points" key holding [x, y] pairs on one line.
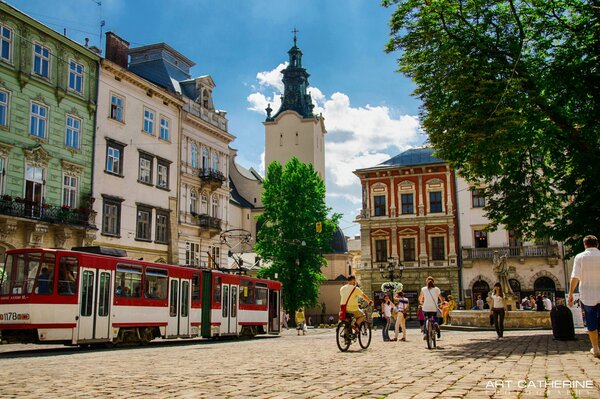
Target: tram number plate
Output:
{"points": [[14, 316]]}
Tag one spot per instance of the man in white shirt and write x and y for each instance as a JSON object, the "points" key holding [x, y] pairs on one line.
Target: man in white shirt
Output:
{"points": [[349, 295], [547, 303], [586, 272]]}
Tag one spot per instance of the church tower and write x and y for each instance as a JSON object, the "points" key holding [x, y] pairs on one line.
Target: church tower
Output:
{"points": [[294, 130]]}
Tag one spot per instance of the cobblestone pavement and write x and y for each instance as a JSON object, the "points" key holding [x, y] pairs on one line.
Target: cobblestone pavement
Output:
{"points": [[468, 365]]}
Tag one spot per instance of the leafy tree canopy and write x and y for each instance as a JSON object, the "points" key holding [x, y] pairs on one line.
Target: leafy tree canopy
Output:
{"points": [[294, 201], [510, 93]]}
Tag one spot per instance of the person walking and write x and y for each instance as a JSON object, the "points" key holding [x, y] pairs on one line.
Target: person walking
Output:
{"points": [[586, 273], [300, 321], [386, 311], [401, 317], [498, 310]]}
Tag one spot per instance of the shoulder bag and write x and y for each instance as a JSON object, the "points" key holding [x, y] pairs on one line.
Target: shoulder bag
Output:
{"points": [[342, 315]]}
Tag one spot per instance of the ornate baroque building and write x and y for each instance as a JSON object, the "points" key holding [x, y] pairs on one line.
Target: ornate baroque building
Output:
{"points": [[47, 117], [408, 219]]}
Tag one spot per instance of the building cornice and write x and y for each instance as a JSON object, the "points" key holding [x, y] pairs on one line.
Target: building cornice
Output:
{"points": [[207, 127]]}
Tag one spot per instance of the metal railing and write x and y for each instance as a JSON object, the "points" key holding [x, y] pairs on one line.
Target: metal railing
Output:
{"points": [[209, 222], [44, 212], [527, 251], [211, 175]]}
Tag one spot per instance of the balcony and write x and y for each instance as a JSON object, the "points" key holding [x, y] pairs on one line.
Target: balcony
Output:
{"points": [[215, 118], [521, 253], [211, 224], [22, 208], [211, 177]]}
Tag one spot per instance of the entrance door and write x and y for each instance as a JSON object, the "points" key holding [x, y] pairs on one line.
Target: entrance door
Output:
{"points": [[274, 312], [173, 326], [229, 306], [179, 308], [94, 304]]}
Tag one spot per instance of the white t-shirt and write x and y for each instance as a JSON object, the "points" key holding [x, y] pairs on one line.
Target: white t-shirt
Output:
{"points": [[402, 304], [498, 301], [430, 299], [587, 269], [353, 301], [547, 304], [387, 309]]}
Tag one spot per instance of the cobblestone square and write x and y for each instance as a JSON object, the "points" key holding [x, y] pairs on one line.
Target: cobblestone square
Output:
{"points": [[525, 364]]}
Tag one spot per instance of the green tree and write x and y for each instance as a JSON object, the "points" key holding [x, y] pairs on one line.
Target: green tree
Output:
{"points": [[294, 201], [510, 97]]}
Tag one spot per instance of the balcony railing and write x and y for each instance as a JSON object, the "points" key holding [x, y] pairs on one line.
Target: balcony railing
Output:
{"points": [[209, 222], [215, 118], [528, 251], [44, 212], [211, 175]]}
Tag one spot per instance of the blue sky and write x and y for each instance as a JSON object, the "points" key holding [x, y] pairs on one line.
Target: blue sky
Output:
{"points": [[369, 112]]}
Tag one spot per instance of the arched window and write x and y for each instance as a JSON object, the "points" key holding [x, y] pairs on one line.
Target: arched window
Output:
{"points": [[480, 288], [204, 204], [215, 162], [194, 156], [215, 206], [193, 202], [205, 159], [544, 284]]}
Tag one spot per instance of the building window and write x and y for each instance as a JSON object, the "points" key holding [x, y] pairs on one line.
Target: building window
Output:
{"points": [[162, 231], [194, 157], [34, 189], [143, 223], [379, 201], [73, 132], [205, 164], [215, 161], [192, 254], [435, 201], [407, 204], [204, 204], [41, 60], [69, 191], [114, 158], [145, 168], [2, 174], [481, 239], [381, 252], [76, 77], [215, 258], [162, 174], [116, 108], [164, 129], [3, 108], [438, 250], [408, 249], [478, 200], [6, 40], [111, 217], [215, 206], [39, 120], [148, 121], [193, 202]]}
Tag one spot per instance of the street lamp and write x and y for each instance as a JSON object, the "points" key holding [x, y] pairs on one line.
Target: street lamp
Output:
{"points": [[391, 270]]}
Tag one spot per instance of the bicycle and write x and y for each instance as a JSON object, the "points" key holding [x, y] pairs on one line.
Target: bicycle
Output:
{"points": [[432, 330], [345, 333]]}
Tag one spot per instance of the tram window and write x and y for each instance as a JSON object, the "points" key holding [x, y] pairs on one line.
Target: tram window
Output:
{"points": [[7, 276], [87, 293], [247, 292], [156, 283], [185, 298], [45, 283], [173, 300], [261, 294], [104, 294], [196, 287], [217, 290], [67, 275], [224, 308], [128, 281]]}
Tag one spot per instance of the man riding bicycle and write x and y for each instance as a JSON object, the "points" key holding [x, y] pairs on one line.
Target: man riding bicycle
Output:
{"points": [[349, 295], [430, 294]]}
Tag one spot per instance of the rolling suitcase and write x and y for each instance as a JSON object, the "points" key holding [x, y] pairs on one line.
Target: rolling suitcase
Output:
{"points": [[562, 323]]}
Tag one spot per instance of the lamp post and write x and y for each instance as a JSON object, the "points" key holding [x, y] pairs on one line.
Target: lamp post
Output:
{"points": [[391, 270]]}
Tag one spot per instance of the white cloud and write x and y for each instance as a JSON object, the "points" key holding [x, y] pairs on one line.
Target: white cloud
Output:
{"points": [[357, 136]]}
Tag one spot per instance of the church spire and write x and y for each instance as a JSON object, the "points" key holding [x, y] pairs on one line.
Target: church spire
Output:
{"points": [[295, 81]]}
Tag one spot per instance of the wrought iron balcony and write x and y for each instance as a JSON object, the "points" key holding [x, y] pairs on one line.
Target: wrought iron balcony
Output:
{"points": [[209, 222], [527, 251], [212, 177], [22, 208]]}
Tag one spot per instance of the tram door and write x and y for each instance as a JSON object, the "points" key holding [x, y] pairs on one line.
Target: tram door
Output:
{"points": [[179, 307], [229, 308], [94, 304], [274, 311]]}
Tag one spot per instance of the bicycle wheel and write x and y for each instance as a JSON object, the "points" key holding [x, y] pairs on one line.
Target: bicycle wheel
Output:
{"points": [[364, 335], [430, 335], [342, 341]]}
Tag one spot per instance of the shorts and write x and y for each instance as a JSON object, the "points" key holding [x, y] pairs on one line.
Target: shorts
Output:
{"points": [[357, 313], [592, 314]]}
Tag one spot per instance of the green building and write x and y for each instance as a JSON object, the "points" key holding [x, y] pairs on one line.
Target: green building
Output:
{"points": [[48, 90]]}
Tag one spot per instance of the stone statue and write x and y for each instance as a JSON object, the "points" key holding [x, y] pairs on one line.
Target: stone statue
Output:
{"points": [[501, 271]]}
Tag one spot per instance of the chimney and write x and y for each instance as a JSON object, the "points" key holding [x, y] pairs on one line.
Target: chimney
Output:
{"points": [[116, 49]]}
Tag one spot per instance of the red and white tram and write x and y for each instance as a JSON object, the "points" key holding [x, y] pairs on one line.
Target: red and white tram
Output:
{"points": [[79, 298]]}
